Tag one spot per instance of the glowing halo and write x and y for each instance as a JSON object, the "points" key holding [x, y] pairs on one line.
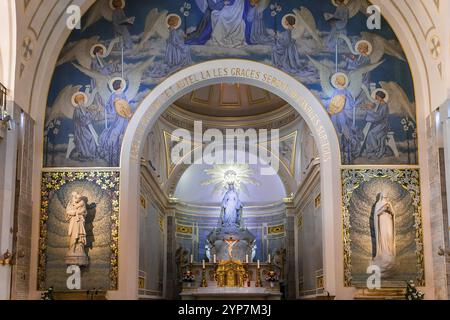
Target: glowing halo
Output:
{"points": [[374, 94], [369, 45], [111, 82], [284, 22], [173, 15], [112, 6], [222, 175], [76, 94], [96, 46], [337, 77], [335, 4]]}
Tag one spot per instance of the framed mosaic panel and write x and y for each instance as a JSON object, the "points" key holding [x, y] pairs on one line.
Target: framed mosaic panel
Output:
{"points": [[382, 224], [99, 193]]}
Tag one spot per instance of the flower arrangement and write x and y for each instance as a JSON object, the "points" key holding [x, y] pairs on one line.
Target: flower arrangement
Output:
{"points": [[412, 293], [47, 295], [271, 276], [188, 276]]}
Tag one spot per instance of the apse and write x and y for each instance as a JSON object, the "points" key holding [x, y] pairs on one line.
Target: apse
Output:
{"points": [[190, 190]]}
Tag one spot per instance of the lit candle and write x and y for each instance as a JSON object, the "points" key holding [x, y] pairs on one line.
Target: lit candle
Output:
{"points": [[246, 258], [269, 258], [258, 264], [214, 259], [203, 262], [192, 258]]}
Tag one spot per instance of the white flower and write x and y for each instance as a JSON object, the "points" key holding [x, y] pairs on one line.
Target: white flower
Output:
{"points": [[186, 13], [403, 121], [405, 128], [273, 13], [182, 9], [188, 6], [272, 7]]}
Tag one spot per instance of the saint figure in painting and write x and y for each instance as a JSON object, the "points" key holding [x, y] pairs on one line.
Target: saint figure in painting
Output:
{"points": [[121, 22], [118, 114], [85, 137], [177, 52], [378, 118], [338, 22], [285, 55], [384, 218]]}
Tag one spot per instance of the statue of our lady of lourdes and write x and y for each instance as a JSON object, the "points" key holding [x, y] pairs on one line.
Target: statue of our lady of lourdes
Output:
{"points": [[231, 209], [384, 218], [76, 213]]}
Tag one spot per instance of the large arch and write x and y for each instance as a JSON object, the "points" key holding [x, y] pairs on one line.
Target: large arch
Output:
{"points": [[214, 72]]}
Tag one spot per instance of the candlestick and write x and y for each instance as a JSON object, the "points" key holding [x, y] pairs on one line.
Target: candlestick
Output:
{"points": [[203, 264], [246, 258], [192, 258], [214, 259], [204, 284], [258, 264], [269, 258]]}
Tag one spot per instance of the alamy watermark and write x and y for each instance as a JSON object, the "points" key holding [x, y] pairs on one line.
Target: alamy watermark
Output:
{"points": [[230, 146]]}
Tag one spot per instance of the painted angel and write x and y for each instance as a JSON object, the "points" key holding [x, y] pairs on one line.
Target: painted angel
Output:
{"points": [[155, 26], [113, 11], [118, 93], [305, 26], [382, 46], [256, 31], [285, 55], [167, 27], [342, 92], [74, 104], [388, 100], [345, 10]]}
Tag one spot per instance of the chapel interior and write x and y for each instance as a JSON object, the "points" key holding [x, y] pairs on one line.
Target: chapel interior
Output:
{"points": [[268, 204], [224, 150]]}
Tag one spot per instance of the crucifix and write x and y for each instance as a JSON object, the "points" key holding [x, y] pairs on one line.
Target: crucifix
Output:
{"points": [[231, 242]]}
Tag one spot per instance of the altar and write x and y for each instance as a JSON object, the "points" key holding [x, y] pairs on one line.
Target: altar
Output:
{"points": [[230, 272], [231, 280]]}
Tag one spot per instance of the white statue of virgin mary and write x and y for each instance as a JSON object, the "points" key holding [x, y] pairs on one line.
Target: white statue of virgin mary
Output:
{"points": [[384, 218]]}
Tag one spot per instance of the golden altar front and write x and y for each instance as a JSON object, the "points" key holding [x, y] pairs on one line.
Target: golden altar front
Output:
{"points": [[231, 274]]}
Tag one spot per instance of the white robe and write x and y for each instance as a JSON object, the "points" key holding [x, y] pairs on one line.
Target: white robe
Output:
{"points": [[385, 236], [228, 25]]}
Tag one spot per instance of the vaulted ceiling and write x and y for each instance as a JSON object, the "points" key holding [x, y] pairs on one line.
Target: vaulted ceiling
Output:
{"points": [[230, 100]]}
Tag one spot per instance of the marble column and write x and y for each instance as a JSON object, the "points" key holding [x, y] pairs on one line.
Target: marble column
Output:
{"points": [[290, 255], [436, 146]]}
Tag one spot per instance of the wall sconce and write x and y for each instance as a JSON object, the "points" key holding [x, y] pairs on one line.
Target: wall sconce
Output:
{"points": [[5, 118], [7, 259]]}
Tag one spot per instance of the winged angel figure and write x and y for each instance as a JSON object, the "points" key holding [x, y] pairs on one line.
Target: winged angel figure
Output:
{"points": [[378, 47], [343, 92], [305, 26], [345, 10], [113, 11], [155, 26], [118, 93]]}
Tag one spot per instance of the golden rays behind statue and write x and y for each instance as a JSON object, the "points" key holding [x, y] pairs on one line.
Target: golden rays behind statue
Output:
{"points": [[223, 175]]}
